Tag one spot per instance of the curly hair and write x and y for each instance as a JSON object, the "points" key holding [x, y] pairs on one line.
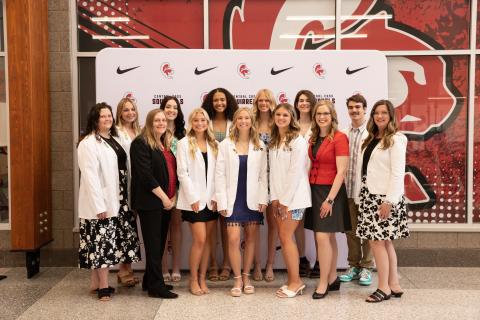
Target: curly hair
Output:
{"points": [[232, 105]]}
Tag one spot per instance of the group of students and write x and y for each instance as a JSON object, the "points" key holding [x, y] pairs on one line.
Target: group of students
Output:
{"points": [[236, 165]]}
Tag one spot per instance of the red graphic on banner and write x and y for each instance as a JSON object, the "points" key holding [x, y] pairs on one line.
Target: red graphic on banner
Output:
{"points": [[244, 71], [319, 71], [426, 88], [167, 70], [282, 97]]}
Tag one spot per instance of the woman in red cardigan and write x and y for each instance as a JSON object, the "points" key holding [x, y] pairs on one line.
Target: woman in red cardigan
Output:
{"points": [[328, 152]]}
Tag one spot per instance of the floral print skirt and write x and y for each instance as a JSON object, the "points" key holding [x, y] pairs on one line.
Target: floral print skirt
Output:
{"points": [[371, 227], [105, 243]]}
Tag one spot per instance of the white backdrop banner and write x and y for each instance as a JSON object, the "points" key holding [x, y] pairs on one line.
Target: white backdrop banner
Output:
{"points": [[148, 75]]}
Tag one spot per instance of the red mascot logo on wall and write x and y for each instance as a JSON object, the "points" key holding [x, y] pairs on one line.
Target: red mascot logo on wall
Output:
{"points": [[166, 70], [129, 95], [244, 70], [282, 97], [319, 70], [424, 93]]}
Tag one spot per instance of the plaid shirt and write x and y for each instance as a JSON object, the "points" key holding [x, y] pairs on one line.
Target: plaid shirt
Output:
{"points": [[355, 136]]}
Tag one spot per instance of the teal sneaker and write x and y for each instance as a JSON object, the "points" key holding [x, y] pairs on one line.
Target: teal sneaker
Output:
{"points": [[365, 277], [353, 273]]}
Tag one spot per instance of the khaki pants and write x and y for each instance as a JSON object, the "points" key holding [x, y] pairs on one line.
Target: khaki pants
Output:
{"points": [[359, 253]]}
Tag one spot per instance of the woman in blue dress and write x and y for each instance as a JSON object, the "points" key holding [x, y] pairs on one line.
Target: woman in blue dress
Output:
{"points": [[242, 193]]}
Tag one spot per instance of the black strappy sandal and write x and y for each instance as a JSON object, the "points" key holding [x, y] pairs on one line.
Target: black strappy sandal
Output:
{"points": [[378, 296]]}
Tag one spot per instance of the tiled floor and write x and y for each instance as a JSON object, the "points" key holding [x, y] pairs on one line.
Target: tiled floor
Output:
{"points": [[62, 293]]}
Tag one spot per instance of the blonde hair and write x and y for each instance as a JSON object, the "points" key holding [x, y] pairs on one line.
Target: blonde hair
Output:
{"points": [[293, 128], [192, 139], [253, 134], [333, 125], [119, 121], [270, 97], [148, 133], [390, 130]]}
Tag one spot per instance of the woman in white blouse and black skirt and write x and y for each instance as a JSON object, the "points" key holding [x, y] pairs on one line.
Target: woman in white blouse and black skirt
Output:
{"points": [[382, 209]]}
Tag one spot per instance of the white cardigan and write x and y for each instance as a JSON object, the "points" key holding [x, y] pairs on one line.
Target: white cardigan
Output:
{"points": [[385, 170], [99, 181], [226, 176], [289, 175], [194, 186]]}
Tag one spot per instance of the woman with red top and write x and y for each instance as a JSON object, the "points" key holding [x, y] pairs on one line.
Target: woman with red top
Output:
{"points": [[328, 152], [153, 196]]}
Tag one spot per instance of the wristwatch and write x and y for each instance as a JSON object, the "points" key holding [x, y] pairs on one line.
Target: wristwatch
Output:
{"points": [[329, 201]]}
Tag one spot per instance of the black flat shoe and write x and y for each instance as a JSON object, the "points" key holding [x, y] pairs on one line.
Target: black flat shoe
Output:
{"points": [[163, 294], [335, 285], [397, 294], [317, 295]]}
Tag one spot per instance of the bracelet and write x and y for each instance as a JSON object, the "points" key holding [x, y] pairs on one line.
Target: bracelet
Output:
{"points": [[388, 202]]}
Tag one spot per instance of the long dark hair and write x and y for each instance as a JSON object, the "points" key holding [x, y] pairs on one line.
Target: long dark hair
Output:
{"points": [[94, 116], [179, 120], [311, 98], [232, 105]]}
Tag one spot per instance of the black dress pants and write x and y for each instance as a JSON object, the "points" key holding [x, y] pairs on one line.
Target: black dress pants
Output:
{"points": [[154, 230]]}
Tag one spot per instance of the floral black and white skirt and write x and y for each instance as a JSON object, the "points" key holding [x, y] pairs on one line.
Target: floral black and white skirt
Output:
{"points": [[105, 243], [371, 227], [129, 245]]}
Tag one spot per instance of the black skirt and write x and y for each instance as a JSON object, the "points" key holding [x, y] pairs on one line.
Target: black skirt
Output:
{"points": [[201, 216], [339, 221]]}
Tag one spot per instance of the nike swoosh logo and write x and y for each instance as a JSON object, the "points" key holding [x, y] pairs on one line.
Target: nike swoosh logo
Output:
{"points": [[348, 71], [274, 72], [120, 71], [199, 72]]}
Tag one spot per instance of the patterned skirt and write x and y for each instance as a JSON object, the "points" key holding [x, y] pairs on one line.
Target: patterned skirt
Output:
{"points": [[128, 243], [371, 227], [105, 243], [98, 243]]}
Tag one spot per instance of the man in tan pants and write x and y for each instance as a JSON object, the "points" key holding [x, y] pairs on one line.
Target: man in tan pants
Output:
{"points": [[360, 257]]}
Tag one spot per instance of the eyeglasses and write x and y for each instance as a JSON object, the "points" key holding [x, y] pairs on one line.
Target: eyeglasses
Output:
{"points": [[325, 114]]}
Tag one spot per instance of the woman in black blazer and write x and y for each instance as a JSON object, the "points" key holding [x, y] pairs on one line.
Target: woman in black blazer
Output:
{"points": [[153, 195]]}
